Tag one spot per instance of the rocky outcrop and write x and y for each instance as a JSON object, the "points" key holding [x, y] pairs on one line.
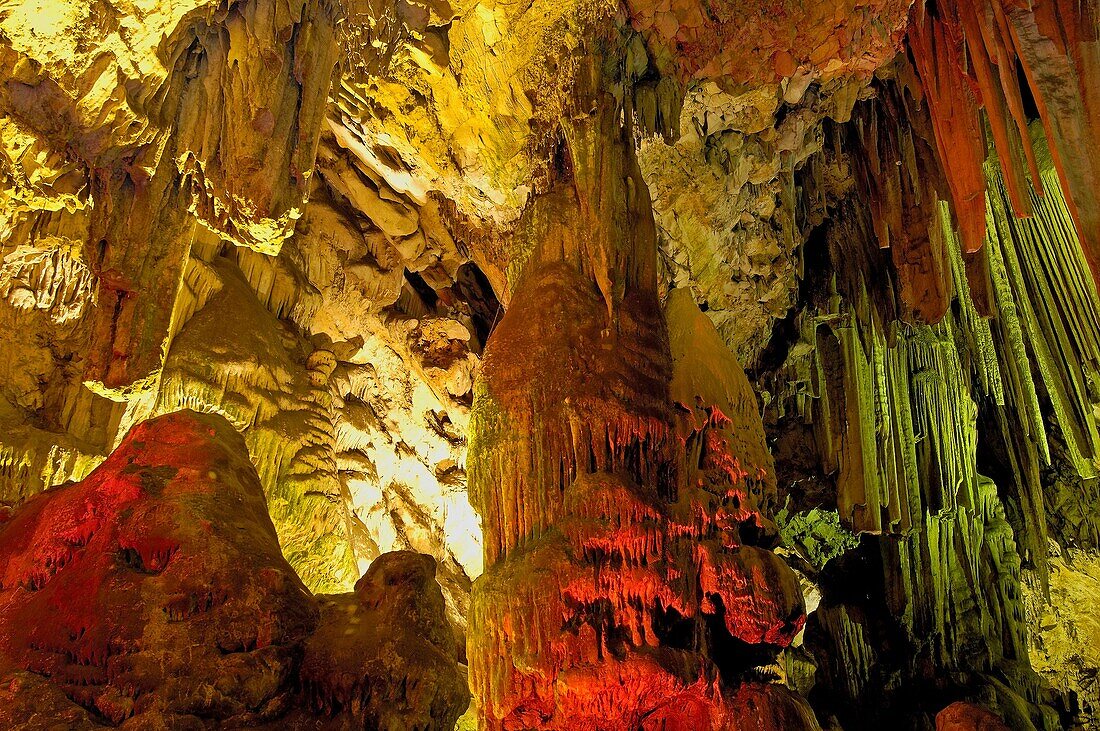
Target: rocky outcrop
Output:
{"points": [[384, 656], [166, 546], [153, 594]]}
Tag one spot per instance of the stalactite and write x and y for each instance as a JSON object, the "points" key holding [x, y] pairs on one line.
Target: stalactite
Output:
{"points": [[917, 402], [309, 219], [966, 53]]}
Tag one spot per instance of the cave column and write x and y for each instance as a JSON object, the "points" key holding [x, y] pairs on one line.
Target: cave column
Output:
{"points": [[608, 582]]}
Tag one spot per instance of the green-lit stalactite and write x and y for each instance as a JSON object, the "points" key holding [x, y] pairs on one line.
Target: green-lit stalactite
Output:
{"points": [[900, 412], [1049, 312]]}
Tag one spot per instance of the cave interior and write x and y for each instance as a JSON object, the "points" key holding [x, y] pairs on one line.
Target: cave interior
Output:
{"points": [[556, 365]]}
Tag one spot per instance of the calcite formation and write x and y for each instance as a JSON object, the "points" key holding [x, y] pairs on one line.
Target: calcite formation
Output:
{"points": [[653, 365], [623, 482], [153, 594]]}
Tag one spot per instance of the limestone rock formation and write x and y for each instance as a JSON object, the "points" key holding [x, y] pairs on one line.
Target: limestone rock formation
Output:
{"points": [[384, 656], [153, 594], [623, 481], [961, 716]]}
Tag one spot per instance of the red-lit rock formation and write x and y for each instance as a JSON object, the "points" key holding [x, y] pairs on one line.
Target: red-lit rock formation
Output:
{"points": [[153, 594], [746, 43], [621, 482], [963, 716], [167, 546], [310, 217], [384, 656]]}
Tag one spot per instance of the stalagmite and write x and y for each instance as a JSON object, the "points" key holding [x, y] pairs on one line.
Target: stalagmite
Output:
{"points": [[622, 481], [169, 602]]}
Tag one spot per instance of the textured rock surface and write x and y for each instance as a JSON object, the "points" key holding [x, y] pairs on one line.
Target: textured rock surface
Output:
{"points": [[1066, 652], [153, 594], [313, 217], [384, 656], [155, 588], [962, 716], [353, 386], [620, 470]]}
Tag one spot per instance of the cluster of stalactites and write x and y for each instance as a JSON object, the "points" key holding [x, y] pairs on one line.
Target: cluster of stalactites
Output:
{"points": [[967, 55], [1031, 276], [892, 143], [908, 417], [1048, 348]]}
